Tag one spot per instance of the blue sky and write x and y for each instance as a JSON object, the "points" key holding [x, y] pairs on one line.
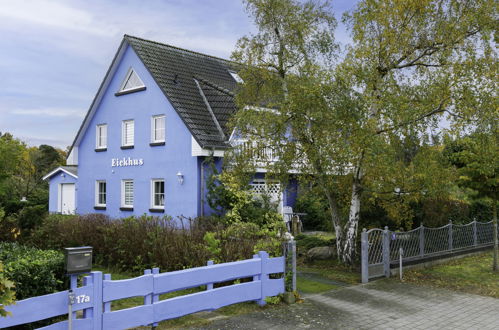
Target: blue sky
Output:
{"points": [[54, 53]]}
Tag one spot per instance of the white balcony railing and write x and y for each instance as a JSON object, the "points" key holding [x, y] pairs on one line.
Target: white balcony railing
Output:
{"points": [[256, 151]]}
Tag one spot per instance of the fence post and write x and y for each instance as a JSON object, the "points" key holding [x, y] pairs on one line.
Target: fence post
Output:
{"points": [[209, 286], [475, 240], [263, 276], [364, 256], [107, 305], [73, 284], [97, 309], [386, 251], [155, 297], [450, 235], [88, 313], [292, 250], [148, 297], [421, 240]]}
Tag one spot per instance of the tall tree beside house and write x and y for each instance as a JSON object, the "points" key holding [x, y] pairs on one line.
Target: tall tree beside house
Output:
{"points": [[400, 76], [476, 157], [21, 170], [11, 150]]}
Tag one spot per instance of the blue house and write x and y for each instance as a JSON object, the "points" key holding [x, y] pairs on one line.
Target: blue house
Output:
{"points": [[158, 115]]}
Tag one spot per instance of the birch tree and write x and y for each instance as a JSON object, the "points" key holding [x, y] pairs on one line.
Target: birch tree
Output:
{"points": [[337, 123]]}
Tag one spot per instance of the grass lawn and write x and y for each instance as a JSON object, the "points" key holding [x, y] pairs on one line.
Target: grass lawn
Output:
{"points": [[197, 319], [321, 275], [324, 275], [470, 274]]}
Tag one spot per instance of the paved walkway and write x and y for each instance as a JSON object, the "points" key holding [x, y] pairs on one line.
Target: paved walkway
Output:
{"points": [[377, 305]]}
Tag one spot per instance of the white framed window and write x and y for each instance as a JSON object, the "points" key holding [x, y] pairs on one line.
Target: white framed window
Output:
{"points": [[127, 193], [131, 82], [101, 136], [158, 128], [158, 193], [127, 134], [100, 193]]}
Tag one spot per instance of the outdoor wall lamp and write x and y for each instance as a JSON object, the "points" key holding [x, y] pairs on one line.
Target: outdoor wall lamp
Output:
{"points": [[180, 177]]}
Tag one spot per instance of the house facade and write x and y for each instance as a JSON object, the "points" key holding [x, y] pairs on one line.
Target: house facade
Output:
{"points": [[160, 113]]}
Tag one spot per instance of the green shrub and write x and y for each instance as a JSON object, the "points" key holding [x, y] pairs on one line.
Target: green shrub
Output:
{"points": [[9, 230], [7, 295], [135, 244], [35, 272], [317, 211], [31, 217]]}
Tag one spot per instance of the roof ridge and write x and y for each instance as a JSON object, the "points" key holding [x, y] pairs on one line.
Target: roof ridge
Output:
{"points": [[182, 49], [213, 85]]}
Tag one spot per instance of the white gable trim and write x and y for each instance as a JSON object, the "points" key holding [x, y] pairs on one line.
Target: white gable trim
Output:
{"points": [[196, 150], [73, 154], [57, 170]]}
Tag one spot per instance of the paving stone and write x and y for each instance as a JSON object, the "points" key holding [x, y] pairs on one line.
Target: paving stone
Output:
{"points": [[377, 305]]}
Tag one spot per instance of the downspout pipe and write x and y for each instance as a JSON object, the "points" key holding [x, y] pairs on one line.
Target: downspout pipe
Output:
{"points": [[202, 192]]}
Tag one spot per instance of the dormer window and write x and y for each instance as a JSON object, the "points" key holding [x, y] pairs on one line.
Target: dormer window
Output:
{"points": [[131, 83], [236, 77]]}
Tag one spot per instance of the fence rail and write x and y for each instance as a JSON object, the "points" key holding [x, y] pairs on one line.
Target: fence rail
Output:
{"points": [[381, 248], [98, 292]]}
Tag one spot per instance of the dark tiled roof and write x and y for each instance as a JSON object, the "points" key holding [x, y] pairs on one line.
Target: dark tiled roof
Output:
{"points": [[71, 169], [176, 70]]}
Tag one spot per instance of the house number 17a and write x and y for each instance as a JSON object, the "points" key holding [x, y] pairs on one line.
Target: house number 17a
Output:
{"points": [[83, 298]]}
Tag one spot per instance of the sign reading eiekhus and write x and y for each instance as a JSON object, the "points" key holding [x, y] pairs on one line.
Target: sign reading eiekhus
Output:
{"points": [[117, 162]]}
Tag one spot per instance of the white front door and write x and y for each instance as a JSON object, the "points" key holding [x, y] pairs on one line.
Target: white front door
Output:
{"points": [[67, 203]]}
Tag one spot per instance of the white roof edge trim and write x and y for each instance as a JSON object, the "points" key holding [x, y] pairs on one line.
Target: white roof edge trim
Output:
{"points": [[100, 93], [57, 170]]}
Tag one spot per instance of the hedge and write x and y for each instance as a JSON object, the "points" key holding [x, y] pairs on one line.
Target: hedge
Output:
{"points": [[134, 244], [35, 272]]}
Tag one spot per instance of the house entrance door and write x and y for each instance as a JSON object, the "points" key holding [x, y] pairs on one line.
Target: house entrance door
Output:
{"points": [[67, 203]]}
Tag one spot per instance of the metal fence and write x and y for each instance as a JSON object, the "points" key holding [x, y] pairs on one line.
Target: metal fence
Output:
{"points": [[381, 248]]}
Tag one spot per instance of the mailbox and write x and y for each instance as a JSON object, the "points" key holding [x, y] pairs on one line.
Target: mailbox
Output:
{"points": [[78, 259]]}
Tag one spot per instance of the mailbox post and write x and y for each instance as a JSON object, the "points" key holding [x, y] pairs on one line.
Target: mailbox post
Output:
{"points": [[77, 260]]}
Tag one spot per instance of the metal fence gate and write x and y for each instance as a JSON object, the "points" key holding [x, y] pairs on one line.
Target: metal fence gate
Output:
{"points": [[380, 248]]}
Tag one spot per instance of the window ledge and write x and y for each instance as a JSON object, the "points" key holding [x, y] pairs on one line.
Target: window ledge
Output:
{"points": [[99, 207], [126, 208], [138, 89], [100, 149], [154, 144], [155, 210], [127, 147]]}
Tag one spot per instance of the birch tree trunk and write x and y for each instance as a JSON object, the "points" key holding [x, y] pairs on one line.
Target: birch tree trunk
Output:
{"points": [[349, 249], [336, 221]]}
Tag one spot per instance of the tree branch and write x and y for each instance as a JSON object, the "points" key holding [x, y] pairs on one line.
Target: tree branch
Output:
{"points": [[439, 109]]}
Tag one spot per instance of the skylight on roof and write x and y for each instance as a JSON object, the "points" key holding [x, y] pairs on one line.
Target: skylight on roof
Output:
{"points": [[236, 77], [132, 82]]}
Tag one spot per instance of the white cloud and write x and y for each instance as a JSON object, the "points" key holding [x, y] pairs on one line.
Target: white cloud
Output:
{"points": [[49, 112], [54, 14]]}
